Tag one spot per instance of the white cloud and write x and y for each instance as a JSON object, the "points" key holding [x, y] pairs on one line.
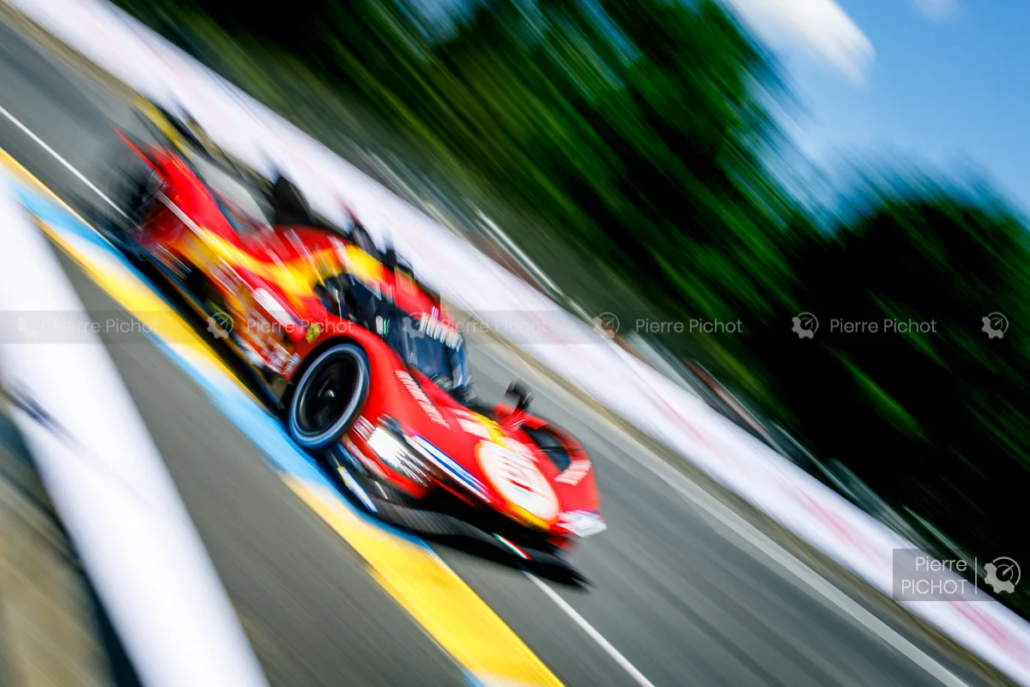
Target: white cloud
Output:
{"points": [[817, 27], [938, 10]]}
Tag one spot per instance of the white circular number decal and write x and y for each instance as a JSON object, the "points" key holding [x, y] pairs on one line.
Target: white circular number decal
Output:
{"points": [[517, 478]]}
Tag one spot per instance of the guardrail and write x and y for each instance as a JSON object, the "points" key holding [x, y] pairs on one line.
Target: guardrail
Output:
{"points": [[556, 338]]}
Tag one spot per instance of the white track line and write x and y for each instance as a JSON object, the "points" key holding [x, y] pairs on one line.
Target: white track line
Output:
{"points": [[795, 566], [591, 632], [571, 612], [694, 493], [67, 165], [758, 540]]}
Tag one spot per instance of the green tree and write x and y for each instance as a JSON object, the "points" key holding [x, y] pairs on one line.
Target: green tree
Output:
{"points": [[930, 419], [638, 133]]}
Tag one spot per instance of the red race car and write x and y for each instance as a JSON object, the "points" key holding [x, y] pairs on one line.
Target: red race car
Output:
{"points": [[367, 368]]}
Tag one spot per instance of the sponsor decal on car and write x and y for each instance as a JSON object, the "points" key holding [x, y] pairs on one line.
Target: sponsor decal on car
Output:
{"points": [[575, 473], [274, 308], [363, 428], [364, 461], [420, 397], [474, 428], [277, 357], [582, 523], [313, 332], [514, 474], [433, 327], [478, 425], [291, 365]]}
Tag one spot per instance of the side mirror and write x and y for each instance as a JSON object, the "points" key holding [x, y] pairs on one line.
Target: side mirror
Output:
{"points": [[522, 394]]}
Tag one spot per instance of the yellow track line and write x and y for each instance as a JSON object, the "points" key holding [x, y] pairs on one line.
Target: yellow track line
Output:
{"points": [[448, 609], [136, 298], [461, 622]]}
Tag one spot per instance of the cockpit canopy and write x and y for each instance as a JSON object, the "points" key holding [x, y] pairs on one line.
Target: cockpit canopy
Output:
{"points": [[424, 341], [434, 349]]}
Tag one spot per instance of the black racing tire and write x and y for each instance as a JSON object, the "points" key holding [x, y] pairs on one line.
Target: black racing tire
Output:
{"points": [[327, 398]]}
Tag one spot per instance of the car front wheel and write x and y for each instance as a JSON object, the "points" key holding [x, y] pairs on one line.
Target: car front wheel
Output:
{"points": [[328, 396]]}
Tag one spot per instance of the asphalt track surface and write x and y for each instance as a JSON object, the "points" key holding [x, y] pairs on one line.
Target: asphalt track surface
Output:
{"points": [[678, 596]]}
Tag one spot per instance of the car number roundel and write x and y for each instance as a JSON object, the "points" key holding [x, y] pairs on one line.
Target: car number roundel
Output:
{"points": [[518, 480]]}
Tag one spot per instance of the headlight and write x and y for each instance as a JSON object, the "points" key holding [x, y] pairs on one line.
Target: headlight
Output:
{"points": [[391, 445], [582, 523]]}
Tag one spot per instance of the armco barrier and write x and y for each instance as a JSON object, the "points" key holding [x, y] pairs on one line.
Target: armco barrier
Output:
{"points": [[108, 483], [653, 403]]}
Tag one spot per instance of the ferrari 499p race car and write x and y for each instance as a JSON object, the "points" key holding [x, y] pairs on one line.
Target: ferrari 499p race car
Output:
{"points": [[364, 364]]}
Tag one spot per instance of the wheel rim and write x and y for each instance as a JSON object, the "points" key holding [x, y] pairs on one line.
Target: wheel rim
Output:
{"points": [[329, 393]]}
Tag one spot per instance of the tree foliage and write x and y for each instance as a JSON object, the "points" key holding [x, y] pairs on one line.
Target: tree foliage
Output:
{"points": [[638, 132], [934, 420]]}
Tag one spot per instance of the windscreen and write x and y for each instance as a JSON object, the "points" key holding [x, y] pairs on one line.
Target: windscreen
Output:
{"points": [[445, 364]]}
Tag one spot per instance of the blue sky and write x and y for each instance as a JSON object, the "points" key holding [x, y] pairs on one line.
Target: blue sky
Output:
{"points": [[939, 82]]}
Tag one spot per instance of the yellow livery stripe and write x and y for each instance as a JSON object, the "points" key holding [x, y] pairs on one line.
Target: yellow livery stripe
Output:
{"points": [[435, 597]]}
